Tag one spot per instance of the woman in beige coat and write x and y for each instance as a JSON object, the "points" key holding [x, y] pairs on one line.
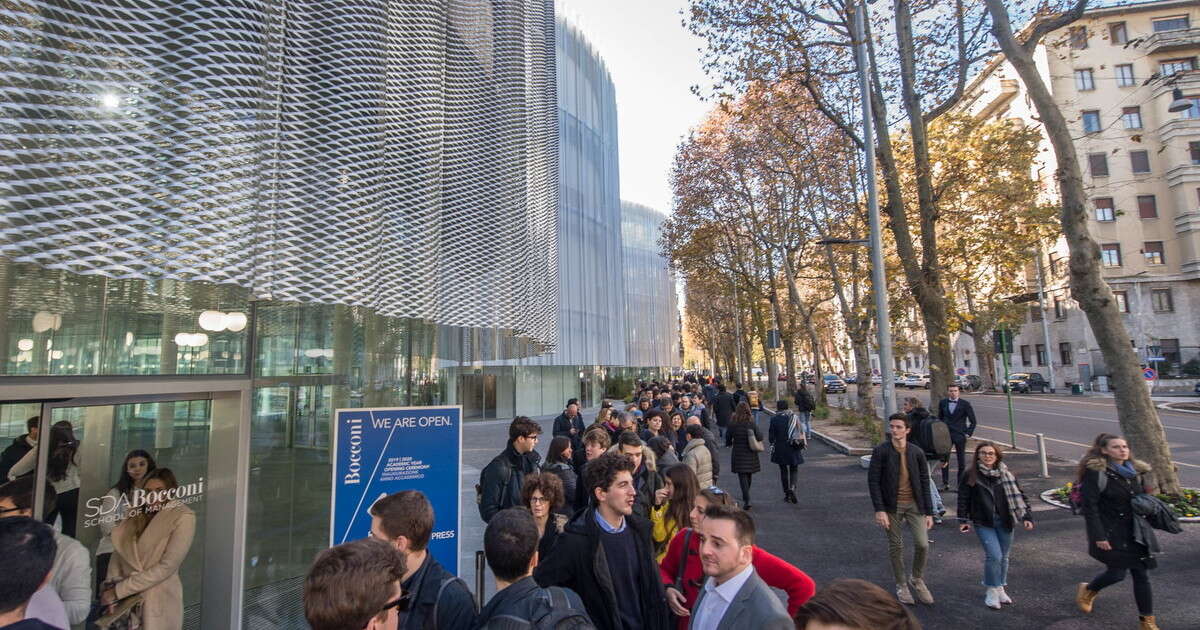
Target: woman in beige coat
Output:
{"points": [[148, 550]]}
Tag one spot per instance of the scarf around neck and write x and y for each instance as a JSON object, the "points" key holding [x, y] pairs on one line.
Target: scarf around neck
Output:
{"points": [[1012, 492], [1125, 469]]}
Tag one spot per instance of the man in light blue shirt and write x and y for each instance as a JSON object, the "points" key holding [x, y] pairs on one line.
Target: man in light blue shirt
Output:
{"points": [[733, 595]]}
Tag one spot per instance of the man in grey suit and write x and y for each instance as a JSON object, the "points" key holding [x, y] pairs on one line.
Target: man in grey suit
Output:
{"points": [[733, 595]]}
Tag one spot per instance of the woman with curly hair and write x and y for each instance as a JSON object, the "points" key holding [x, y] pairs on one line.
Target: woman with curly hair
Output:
{"points": [[542, 494]]}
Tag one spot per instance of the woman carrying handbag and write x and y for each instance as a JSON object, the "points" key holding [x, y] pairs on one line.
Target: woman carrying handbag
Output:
{"points": [[746, 441], [788, 442]]}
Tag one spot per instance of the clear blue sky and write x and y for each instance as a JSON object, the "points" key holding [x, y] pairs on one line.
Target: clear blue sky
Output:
{"points": [[654, 62]]}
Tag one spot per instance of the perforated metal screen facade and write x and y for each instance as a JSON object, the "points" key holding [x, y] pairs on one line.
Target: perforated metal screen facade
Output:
{"points": [[651, 313], [396, 155]]}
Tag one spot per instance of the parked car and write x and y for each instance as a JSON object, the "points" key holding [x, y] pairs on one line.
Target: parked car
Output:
{"points": [[898, 379], [876, 379], [850, 379], [969, 382], [1024, 383], [834, 384], [913, 381]]}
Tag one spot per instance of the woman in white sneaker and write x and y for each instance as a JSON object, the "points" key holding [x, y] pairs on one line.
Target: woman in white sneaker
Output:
{"points": [[991, 500]]}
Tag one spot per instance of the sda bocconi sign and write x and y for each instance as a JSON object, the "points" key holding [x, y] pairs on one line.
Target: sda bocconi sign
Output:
{"points": [[377, 452]]}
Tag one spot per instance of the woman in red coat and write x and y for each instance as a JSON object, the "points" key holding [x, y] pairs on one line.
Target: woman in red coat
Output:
{"points": [[683, 582]]}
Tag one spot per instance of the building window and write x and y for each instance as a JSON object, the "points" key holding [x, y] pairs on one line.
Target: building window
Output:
{"points": [[1060, 308], [1194, 151], [1122, 301], [1161, 300], [1139, 161], [1098, 164], [1104, 209], [1064, 353], [1084, 80], [1091, 121], [1169, 350], [1165, 68], [1147, 206], [1056, 266], [1153, 250], [1131, 117], [1110, 254], [1025, 356], [1041, 354], [1079, 37], [1125, 75], [1173, 23], [1117, 33], [1194, 111], [1035, 313]]}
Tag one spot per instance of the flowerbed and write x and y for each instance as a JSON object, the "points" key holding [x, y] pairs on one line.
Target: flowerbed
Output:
{"points": [[1186, 505]]}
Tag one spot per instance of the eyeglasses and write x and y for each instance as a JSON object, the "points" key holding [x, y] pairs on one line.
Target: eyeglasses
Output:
{"points": [[538, 500], [400, 603], [715, 490], [986, 454], [11, 509]]}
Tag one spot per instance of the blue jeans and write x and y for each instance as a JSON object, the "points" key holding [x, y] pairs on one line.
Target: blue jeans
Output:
{"points": [[996, 542], [806, 423], [939, 508]]}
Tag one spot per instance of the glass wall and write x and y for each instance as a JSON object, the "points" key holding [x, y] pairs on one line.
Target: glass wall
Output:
{"points": [[59, 323]]}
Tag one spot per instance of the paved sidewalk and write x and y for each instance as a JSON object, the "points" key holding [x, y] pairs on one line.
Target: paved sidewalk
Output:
{"points": [[830, 534]]}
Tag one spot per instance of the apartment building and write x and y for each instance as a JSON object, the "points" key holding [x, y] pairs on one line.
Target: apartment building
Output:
{"points": [[1117, 74]]}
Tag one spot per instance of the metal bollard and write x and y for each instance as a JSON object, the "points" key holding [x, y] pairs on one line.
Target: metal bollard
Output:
{"points": [[1041, 446], [480, 567]]}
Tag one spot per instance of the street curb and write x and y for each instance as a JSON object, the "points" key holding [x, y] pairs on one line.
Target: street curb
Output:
{"points": [[841, 447], [1168, 406], [1048, 497]]}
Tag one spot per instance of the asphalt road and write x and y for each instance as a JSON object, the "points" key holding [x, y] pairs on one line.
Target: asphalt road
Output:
{"points": [[1070, 423]]}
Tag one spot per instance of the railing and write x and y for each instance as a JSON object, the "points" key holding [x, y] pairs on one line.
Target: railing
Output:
{"points": [[1170, 39]]}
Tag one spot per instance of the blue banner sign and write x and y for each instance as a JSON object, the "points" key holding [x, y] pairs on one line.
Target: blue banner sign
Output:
{"points": [[377, 452]]}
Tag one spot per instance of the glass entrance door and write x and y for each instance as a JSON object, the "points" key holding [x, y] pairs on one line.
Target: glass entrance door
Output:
{"points": [[130, 483]]}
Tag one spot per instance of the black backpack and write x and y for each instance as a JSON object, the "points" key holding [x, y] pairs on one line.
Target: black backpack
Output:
{"points": [[556, 609]]}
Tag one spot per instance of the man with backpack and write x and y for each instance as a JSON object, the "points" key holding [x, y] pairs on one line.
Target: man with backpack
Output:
{"points": [[510, 543], [500, 481], [437, 600], [933, 436], [805, 405]]}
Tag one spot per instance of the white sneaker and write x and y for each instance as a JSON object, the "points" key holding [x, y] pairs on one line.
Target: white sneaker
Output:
{"points": [[1004, 598], [992, 598]]}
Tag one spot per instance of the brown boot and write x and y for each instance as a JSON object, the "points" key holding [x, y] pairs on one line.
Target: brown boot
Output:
{"points": [[1084, 597], [1148, 623]]}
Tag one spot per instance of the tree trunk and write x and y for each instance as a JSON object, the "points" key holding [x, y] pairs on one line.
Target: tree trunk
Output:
{"points": [[986, 357], [864, 388], [818, 373], [1136, 412]]}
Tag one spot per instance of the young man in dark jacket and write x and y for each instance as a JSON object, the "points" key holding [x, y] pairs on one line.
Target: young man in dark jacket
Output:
{"points": [[606, 554], [645, 479], [405, 520], [723, 406], [500, 481], [21, 445], [898, 480], [510, 544]]}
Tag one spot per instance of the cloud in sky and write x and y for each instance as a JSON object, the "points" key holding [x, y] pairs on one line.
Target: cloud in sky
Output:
{"points": [[654, 62]]}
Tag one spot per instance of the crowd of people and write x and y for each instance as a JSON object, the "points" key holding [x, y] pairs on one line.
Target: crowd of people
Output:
{"points": [[623, 526], [144, 538]]}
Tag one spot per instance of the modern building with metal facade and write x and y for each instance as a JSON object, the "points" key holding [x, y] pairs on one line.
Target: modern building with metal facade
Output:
{"points": [[597, 261], [222, 220], [651, 305]]}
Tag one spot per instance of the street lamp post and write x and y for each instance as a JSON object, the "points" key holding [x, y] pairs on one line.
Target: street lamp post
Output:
{"points": [[878, 279]]}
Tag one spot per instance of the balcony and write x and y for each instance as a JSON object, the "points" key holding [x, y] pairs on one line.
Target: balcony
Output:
{"points": [[1168, 41]]}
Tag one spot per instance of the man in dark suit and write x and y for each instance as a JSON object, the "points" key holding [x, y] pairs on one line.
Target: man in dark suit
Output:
{"points": [[733, 595], [959, 417], [723, 406]]}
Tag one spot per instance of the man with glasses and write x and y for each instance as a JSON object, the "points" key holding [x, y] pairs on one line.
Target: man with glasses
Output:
{"points": [[355, 585], [434, 598], [500, 481]]}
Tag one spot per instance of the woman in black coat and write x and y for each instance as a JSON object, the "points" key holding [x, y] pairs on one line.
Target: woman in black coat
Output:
{"points": [[1109, 515], [558, 461], [743, 460], [784, 452]]}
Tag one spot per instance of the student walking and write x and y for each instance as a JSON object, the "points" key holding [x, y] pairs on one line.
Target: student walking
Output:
{"points": [[959, 416], [805, 405], [1109, 478], [788, 441], [991, 500], [898, 480], [742, 435]]}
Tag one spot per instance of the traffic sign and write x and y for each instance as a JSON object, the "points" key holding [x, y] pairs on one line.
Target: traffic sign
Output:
{"points": [[1149, 374], [961, 371]]}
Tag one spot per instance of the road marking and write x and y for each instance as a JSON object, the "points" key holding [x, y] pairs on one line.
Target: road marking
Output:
{"points": [[1067, 415], [1050, 439]]}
